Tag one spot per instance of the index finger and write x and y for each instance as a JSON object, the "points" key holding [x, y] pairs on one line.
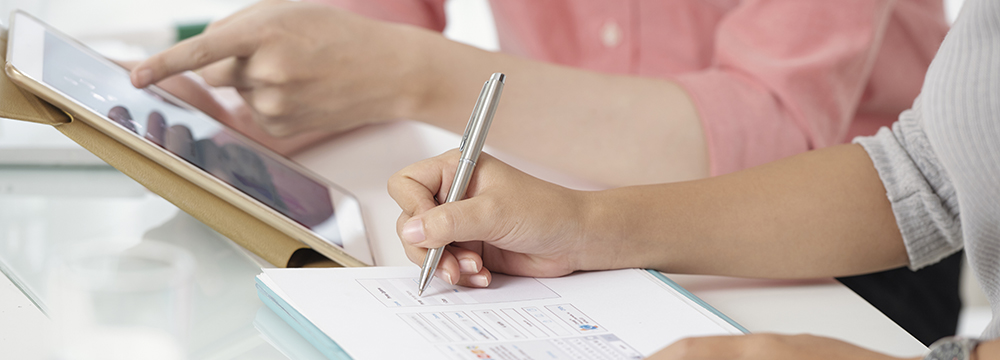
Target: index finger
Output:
{"points": [[415, 188], [195, 53]]}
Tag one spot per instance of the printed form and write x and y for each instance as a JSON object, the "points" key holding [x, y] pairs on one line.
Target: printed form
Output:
{"points": [[374, 313]]}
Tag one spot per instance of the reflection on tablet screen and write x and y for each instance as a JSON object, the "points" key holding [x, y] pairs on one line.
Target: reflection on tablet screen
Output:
{"points": [[191, 135]]}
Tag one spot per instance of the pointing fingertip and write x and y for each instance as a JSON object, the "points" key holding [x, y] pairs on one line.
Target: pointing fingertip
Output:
{"points": [[142, 78]]}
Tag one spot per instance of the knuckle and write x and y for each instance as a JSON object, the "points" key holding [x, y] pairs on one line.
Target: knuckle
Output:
{"points": [[213, 76], [403, 217], [272, 125], [441, 225], [199, 53], [280, 129], [393, 185], [273, 73], [273, 105], [397, 189], [268, 34], [271, 109]]}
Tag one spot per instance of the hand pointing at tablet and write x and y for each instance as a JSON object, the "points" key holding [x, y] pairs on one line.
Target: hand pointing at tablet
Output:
{"points": [[297, 72], [306, 68]]}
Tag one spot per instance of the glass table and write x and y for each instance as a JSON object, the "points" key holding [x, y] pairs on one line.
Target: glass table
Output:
{"points": [[46, 211]]}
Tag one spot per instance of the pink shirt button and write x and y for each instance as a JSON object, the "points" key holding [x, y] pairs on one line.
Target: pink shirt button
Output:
{"points": [[611, 34]]}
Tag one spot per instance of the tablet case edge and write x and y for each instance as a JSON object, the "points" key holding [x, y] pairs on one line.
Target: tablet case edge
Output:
{"points": [[247, 231]]}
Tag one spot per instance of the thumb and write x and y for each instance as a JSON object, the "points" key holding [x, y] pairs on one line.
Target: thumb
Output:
{"points": [[467, 220]]}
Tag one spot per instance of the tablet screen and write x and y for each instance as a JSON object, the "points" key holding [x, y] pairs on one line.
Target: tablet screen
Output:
{"points": [[189, 134]]}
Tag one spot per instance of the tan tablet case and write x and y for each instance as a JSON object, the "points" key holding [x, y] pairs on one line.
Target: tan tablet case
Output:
{"points": [[261, 239]]}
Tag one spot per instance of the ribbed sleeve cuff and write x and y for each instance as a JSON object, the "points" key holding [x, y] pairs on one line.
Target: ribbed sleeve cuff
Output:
{"points": [[923, 201]]}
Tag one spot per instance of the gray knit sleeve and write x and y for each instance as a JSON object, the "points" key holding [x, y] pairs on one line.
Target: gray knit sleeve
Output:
{"points": [[923, 200]]}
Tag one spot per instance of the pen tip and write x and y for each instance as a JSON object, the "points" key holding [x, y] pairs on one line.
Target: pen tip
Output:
{"points": [[420, 292]]}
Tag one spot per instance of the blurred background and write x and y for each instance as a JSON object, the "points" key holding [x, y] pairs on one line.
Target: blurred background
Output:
{"points": [[134, 29]]}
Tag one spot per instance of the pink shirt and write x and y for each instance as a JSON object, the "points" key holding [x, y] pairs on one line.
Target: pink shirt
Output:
{"points": [[770, 78]]}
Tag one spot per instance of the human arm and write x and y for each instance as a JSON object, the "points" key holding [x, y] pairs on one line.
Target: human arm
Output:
{"points": [[504, 206], [989, 350], [823, 213], [567, 118], [435, 80], [939, 162]]}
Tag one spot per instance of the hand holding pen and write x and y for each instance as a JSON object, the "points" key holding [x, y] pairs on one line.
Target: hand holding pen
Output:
{"points": [[471, 146], [509, 222]]}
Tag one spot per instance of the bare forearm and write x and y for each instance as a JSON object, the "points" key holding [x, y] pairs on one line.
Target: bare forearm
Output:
{"points": [[988, 351], [307, 67], [618, 130], [823, 213]]}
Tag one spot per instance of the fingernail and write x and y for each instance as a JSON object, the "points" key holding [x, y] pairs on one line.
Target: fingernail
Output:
{"points": [[445, 276], [413, 231], [143, 77], [479, 280], [468, 266]]}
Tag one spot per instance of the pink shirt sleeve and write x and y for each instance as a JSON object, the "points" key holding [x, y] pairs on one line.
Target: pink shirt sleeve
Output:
{"points": [[427, 14], [786, 77]]}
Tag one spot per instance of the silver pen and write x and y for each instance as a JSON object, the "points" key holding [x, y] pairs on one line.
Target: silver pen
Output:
{"points": [[471, 147]]}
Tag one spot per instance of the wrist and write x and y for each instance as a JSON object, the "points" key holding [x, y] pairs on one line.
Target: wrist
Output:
{"points": [[412, 70], [426, 80], [443, 79], [609, 227]]}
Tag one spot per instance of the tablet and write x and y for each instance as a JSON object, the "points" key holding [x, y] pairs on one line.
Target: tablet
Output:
{"points": [[186, 141]]}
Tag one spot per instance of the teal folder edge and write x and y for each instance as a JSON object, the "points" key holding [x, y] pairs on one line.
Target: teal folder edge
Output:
{"points": [[310, 332], [331, 350], [697, 300]]}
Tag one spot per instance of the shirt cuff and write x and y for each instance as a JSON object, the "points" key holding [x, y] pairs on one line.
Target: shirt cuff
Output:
{"points": [[923, 200], [744, 124]]}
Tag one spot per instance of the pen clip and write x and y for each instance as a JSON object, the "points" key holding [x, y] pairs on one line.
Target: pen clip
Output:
{"points": [[472, 118]]}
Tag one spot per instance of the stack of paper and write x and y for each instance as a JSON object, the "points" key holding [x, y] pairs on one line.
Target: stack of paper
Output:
{"points": [[374, 313]]}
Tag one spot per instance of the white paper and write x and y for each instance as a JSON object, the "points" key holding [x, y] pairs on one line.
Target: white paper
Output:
{"points": [[374, 313]]}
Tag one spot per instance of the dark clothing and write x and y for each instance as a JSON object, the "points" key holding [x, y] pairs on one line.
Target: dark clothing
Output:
{"points": [[925, 303]]}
